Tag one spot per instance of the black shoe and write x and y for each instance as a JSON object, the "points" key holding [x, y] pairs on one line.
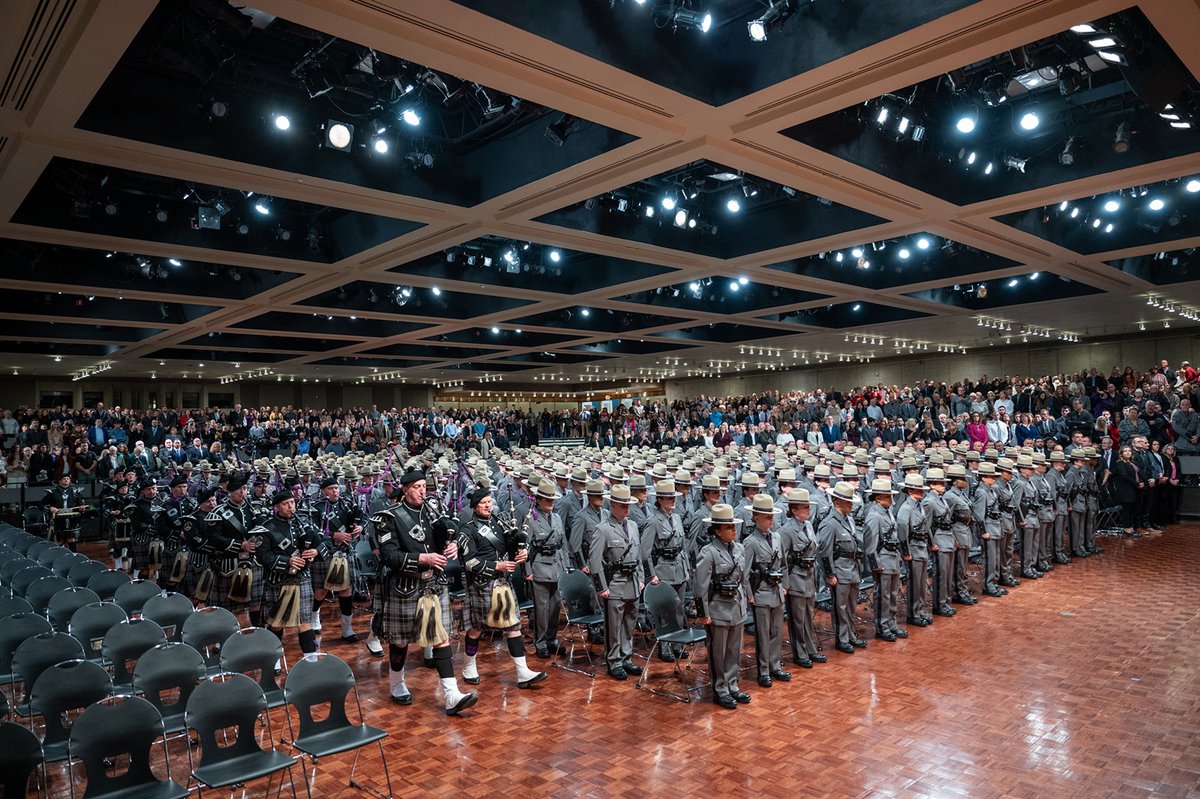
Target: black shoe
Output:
{"points": [[402, 700], [965, 600], [534, 680], [993, 592], [819, 658], [1096, 550], [917, 622], [847, 648], [946, 612], [1029, 574], [1010, 582], [1045, 566], [352, 638], [886, 635], [471, 680], [542, 651], [727, 702], [803, 663], [1062, 560], [666, 655], [781, 675], [742, 698], [467, 701], [1003, 592], [1079, 553], [765, 682], [618, 674], [858, 643], [904, 633], [633, 668]]}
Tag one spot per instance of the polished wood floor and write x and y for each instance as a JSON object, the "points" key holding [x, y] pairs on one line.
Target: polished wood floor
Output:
{"points": [[1082, 684]]}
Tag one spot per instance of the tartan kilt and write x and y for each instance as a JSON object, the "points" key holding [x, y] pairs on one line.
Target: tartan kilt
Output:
{"points": [[139, 553], [320, 568], [184, 586], [396, 615], [477, 604], [219, 595], [271, 598]]}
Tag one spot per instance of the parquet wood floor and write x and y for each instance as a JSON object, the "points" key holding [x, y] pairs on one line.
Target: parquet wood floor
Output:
{"points": [[1082, 684]]}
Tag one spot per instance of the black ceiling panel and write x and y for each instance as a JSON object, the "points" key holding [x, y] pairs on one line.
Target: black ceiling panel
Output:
{"points": [[724, 333], [55, 348], [846, 314], [54, 302], [320, 324], [548, 358], [986, 295], [211, 357], [382, 364], [488, 366], [254, 341], [502, 337], [630, 346], [433, 351], [596, 320], [71, 330], [409, 301], [1162, 268], [722, 295]]}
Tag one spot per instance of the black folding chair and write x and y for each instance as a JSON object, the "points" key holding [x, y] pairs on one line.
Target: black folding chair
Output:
{"points": [[91, 623], [167, 675], [82, 573], [322, 679], [40, 591], [121, 729], [65, 603], [254, 651], [662, 606], [20, 756], [132, 596], [127, 641], [61, 688], [50, 554], [583, 610], [68, 560], [27, 577], [170, 610], [15, 604], [34, 656], [107, 582], [206, 631]]}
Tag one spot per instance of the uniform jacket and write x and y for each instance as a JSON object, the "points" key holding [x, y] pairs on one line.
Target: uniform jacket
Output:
{"points": [[719, 564], [765, 564]]}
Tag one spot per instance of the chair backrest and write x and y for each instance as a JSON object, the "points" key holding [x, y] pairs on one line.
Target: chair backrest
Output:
{"points": [[253, 649], [117, 729], [63, 564], [27, 577], [20, 755], [41, 591], [14, 604], [90, 624], [64, 604], [64, 686], [207, 629], [107, 582], [222, 702], [38, 546], [133, 595], [662, 606], [7, 553], [29, 542], [170, 610], [82, 572], [127, 641], [50, 554], [11, 567], [40, 652], [14, 629], [5, 592], [318, 679], [167, 670], [578, 594]]}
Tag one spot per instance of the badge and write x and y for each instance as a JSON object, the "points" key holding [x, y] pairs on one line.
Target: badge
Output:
{"points": [[417, 534]]}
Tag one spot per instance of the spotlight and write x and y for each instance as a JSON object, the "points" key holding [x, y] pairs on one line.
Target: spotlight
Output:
{"points": [[1112, 206], [1030, 120], [243, 229], [1075, 212], [966, 122], [994, 90], [904, 253], [559, 131], [681, 218], [1193, 185], [856, 307], [1070, 80], [401, 295], [282, 122], [1121, 142], [649, 211], [339, 135], [733, 285], [1012, 162], [689, 18], [283, 234], [420, 160], [174, 262], [555, 256], [733, 205], [1156, 204], [380, 145], [410, 117], [775, 14], [263, 205], [495, 331], [923, 243], [111, 208], [1067, 156], [990, 168], [668, 203], [437, 292], [160, 214], [584, 312], [1108, 228]]}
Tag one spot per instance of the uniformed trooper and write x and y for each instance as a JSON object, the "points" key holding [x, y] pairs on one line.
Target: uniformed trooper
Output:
{"points": [[584, 522], [841, 554], [721, 587], [1046, 513], [822, 504], [1025, 506], [764, 561], [883, 549], [172, 512], [491, 555], [684, 502], [615, 562], [750, 485], [548, 559], [140, 513], [800, 554], [285, 549], [1059, 483], [1077, 485], [914, 523], [340, 523], [985, 509], [938, 511], [415, 544], [1093, 502], [639, 511], [1006, 471], [573, 499], [664, 547], [697, 529], [962, 521]]}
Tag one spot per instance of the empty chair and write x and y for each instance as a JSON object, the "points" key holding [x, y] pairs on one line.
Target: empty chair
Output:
{"points": [[50, 554], [36, 521], [121, 729], [38, 653], [323, 679], [10, 568], [28, 541], [5, 592], [14, 629], [64, 604], [166, 675], [63, 564], [91, 622], [127, 641], [82, 572], [7, 553], [170, 610], [582, 606], [206, 630], [27, 577], [20, 756], [40, 591], [662, 606], [133, 595], [232, 701], [14, 604], [37, 547], [61, 688], [255, 649], [107, 582]]}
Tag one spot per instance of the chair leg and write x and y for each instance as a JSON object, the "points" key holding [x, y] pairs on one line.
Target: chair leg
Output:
{"points": [[386, 774]]}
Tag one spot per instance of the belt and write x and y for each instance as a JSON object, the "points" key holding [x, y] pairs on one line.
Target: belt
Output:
{"points": [[845, 553]]}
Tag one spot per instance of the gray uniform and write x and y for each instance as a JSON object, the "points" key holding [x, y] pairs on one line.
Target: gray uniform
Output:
{"points": [[1062, 509], [583, 524], [1025, 506], [914, 526], [985, 508], [764, 562], [885, 548], [937, 509], [664, 547], [1046, 514], [841, 554], [1077, 496], [800, 554], [547, 561], [615, 560], [1008, 528], [721, 586], [961, 525]]}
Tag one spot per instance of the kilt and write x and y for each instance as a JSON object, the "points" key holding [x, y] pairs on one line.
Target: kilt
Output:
{"points": [[477, 604], [320, 568], [220, 591], [271, 598], [184, 586], [396, 615], [139, 551]]}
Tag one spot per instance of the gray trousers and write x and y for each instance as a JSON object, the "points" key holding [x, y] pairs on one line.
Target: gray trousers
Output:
{"points": [[725, 657], [962, 582], [620, 617], [918, 589], [1078, 519], [887, 596], [992, 549], [800, 626], [768, 639], [1089, 529], [1006, 553], [546, 610], [1059, 534], [845, 599], [1029, 546], [943, 580], [1046, 541]]}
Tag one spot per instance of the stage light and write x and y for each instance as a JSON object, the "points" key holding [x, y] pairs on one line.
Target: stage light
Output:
{"points": [[856, 307], [922, 243], [1193, 185], [1113, 57], [649, 211], [584, 312], [966, 123], [437, 292], [1067, 156], [1012, 162], [1034, 275], [263, 205], [174, 262], [1112, 206], [971, 158], [160, 215], [994, 89], [857, 252], [339, 135], [1075, 212], [1108, 228], [1156, 204], [743, 281], [668, 203], [380, 145], [775, 13], [904, 253], [282, 122], [681, 218], [1030, 120], [1103, 42], [558, 132], [419, 159], [495, 331], [1096, 222], [555, 256], [991, 167], [733, 286], [410, 117], [1062, 206], [689, 18], [1084, 29], [733, 205]]}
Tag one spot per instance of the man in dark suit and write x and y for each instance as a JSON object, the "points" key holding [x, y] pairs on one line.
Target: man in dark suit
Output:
{"points": [[831, 431]]}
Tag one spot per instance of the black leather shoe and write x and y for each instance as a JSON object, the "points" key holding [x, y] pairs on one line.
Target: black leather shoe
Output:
{"points": [[534, 680], [803, 663], [633, 669], [858, 643], [1029, 575], [467, 701], [471, 680], [819, 658], [1097, 550], [618, 674], [1061, 560], [1079, 553], [742, 698], [993, 592], [965, 600], [781, 675], [765, 682], [916, 622], [352, 638], [847, 648], [1045, 566], [904, 633], [1010, 582], [727, 702], [946, 612], [886, 635], [542, 652], [402, 700], [666, 655]]}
